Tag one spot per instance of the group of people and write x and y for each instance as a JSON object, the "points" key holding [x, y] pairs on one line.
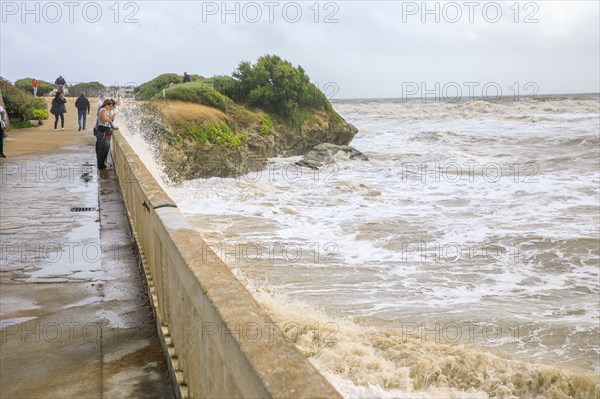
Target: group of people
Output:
{"points": [[60, 83], [104, 123], [103, 128], [58, 109]]}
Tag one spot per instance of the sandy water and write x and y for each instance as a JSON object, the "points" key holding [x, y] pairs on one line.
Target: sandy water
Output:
{"points": [[462, 260]]}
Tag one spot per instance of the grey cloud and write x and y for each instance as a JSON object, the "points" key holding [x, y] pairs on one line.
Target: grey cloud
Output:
{"points": [[369, 52]]}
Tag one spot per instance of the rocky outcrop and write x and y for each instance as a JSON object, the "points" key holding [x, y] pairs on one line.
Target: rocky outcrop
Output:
{"points": [[185, 158], [327, 153], [292, 142]]}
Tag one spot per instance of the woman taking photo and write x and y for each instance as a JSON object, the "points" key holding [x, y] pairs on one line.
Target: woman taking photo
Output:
{"points": [[58, 109], [103, 131]]}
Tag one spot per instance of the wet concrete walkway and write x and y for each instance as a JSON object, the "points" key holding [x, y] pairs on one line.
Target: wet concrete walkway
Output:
{"points": [[75, 320]]}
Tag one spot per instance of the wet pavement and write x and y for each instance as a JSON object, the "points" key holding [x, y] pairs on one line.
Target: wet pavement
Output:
{"points": [[75, 320]]}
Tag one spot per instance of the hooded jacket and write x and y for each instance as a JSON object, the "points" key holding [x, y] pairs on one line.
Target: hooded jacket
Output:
{"points": [[58, 106]]}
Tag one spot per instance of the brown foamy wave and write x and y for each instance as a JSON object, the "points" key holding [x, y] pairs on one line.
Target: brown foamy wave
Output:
{"points": [[369, 361]]}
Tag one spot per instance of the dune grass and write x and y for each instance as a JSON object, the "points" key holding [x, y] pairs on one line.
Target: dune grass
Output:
{"points": [[178, 111]]}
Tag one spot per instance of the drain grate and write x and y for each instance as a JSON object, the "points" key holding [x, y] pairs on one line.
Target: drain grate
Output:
{"points": [[82, 209]]}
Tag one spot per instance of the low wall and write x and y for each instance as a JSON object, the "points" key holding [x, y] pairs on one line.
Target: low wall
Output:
{"points": [[218, 340]]}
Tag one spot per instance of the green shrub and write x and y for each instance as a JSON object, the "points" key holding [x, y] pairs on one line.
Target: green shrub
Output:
{"points": [[154, 87], [44, 88], [275, 84], [21, 125], [195, 78], [225, 85], [266, 125], [18, 103], [36, 103], [40, 114], [91, 89], [299, 118], [199, 93], [218, 133]]}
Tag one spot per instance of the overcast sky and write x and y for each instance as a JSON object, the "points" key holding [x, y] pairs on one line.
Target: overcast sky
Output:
{"points": [[352, 49]]}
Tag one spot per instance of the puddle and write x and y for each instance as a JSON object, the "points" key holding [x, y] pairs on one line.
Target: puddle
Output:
{"points": [[114, 319], [77, 257], [11, 304], [86, 301]]}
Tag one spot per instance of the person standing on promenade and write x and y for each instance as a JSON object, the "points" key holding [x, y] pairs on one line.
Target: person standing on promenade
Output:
{"points": [[60, 83], [34, 85], [83, 108], [186, 78], [103, 131], [2, 126], [58, 109]]}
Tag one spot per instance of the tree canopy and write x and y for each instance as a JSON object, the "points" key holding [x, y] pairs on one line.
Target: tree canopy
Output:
{"points": [[275, 84]]}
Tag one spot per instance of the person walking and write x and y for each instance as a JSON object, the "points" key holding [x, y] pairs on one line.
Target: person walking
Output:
{"points": [[186, 77], [83, 109], [60, 83], [58, 109], [34, 85], [103, 131]]}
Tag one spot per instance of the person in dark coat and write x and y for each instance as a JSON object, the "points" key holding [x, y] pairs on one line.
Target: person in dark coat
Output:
{"points": [[83, 109], [58, 109], [2, 125], [60, 83], [186, 77]]}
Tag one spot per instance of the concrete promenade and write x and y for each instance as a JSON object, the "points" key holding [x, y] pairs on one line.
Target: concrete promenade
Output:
{"points": [[75, 320]]}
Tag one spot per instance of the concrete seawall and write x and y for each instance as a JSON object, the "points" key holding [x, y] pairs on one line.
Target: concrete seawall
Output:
{"points": [[219, 340]]}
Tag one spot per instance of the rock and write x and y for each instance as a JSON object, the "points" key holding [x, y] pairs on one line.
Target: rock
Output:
{"points": [[327, 153], [292, 142], [186, 158]]}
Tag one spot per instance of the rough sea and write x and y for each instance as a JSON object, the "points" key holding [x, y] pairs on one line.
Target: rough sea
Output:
{"points": [[461, 260]]}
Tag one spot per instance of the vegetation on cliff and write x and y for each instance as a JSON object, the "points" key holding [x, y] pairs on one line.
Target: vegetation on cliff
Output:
{"points": [[91, 89], [44, 88], [199, 93], [216, 126], [275, 85], [153, 88], [21, 105]]}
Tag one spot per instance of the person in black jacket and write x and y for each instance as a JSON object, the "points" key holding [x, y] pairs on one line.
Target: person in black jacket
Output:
{"points": [[186, 77], [83, 108], [58, 109], [60, 83], [2, 139]]}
